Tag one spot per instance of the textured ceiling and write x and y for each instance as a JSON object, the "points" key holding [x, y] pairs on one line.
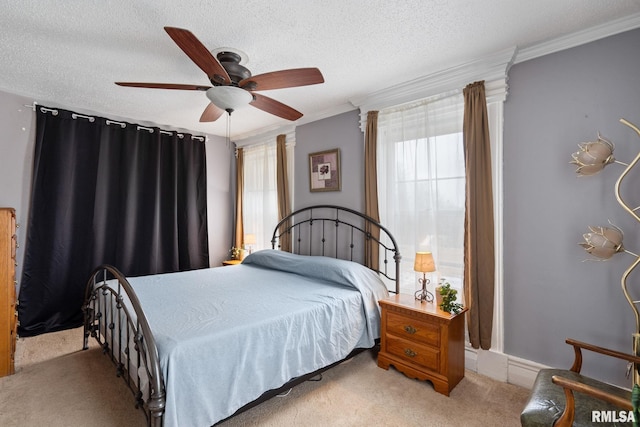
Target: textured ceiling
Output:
{"points": [[69, 53]]}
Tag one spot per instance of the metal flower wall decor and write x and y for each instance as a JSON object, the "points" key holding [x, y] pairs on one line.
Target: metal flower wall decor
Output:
{"points": [[593, 156], [604, 242]]}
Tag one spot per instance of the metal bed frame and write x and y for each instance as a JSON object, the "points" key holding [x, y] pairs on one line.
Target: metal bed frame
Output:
{"points": [[123, 331]]}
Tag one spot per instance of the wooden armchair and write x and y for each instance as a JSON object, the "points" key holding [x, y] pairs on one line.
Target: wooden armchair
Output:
{"points": [[562, 398]]}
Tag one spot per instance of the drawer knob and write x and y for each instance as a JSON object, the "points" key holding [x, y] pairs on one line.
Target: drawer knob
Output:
{"points": [[410, 329], [410, 352]]}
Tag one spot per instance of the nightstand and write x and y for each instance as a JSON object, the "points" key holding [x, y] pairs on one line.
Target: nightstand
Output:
{"points": [[232, 262], [422, 341]]}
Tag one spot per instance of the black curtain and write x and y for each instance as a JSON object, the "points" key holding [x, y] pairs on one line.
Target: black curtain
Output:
{"points": [[107, 193]]}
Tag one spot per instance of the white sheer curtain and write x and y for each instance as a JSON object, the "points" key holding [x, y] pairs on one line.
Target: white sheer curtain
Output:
{"points": [[260, 213], [421, 185]]}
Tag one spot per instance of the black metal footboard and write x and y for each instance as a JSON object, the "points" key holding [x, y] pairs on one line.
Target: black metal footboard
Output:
{"points": [[114, 317]]}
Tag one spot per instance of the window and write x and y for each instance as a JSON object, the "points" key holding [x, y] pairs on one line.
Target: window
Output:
{"points": [[260, 201], [421, 185]]}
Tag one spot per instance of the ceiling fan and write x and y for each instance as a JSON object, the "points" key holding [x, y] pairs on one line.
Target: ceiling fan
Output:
{"points": [[233, 84]]}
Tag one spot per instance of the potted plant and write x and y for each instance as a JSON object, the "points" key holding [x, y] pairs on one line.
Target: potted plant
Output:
{"points": [[235, 253], [446, 298]]}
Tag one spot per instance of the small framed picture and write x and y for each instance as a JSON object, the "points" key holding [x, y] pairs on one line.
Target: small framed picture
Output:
{"points": [[324, 170]]}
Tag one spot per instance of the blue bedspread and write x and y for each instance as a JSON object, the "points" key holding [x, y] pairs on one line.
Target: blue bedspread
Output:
{"points": [[226, 335]]}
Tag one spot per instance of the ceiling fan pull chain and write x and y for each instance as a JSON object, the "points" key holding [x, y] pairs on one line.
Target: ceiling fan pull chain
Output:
{"points": [[229, 130]]}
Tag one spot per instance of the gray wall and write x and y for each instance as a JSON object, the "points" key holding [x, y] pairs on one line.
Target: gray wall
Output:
{"points": [[17, 125], [220, 193], [341, 131], [554, 103]]}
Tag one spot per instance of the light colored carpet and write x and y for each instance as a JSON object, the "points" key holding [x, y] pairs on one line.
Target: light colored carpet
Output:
{"points": [[57, 384]]}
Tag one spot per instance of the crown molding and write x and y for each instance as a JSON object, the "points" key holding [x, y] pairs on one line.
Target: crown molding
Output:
{"points": [[578, 38], [277, 129], [489, 68], [268, 137]]}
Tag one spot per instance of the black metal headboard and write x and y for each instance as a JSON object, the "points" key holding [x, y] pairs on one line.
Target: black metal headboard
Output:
{"points": [[338, 232]]}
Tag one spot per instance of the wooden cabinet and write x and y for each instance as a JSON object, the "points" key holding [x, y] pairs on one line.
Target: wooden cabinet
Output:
{"points": [[8, 320], [422, 341]]}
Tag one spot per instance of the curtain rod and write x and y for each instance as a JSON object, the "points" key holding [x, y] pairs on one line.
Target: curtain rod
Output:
{"points": [[82, 116], [54, 112]]}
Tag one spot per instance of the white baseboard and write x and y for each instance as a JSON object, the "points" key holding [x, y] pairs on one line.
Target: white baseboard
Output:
{"points": [[523, 372], [502, 367]]}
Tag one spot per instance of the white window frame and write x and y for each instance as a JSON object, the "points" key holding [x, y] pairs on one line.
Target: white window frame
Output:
{"points": [[255, 142], [418, 126]]}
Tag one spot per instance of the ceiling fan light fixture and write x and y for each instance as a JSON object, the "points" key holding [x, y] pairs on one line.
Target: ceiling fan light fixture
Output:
{"points": [[229, 97]]}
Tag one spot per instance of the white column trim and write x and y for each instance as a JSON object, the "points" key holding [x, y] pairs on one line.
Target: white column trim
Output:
{"points": [[494, 363], [495, 110]]}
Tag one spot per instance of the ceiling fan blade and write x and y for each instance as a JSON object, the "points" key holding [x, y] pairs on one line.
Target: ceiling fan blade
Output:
{"points": [[275, 107], [211, 113], [163, 86], [199, 54], [283, 79]]}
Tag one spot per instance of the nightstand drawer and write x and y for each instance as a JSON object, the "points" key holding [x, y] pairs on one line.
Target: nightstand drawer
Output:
{"points": [[422, 355], [413, 329]]}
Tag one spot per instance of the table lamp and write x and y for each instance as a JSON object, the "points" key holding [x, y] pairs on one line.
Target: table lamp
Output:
{"points": [[249, 239], [424, 264]]}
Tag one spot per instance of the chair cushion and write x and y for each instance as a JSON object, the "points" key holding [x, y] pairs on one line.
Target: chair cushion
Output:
{"points": [[547, 401]]}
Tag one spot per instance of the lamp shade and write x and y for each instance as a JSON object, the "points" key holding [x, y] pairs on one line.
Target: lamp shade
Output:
{"points": [[593, 156], [249, 239], [424, 262], [229, 97], [603, 242]]}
